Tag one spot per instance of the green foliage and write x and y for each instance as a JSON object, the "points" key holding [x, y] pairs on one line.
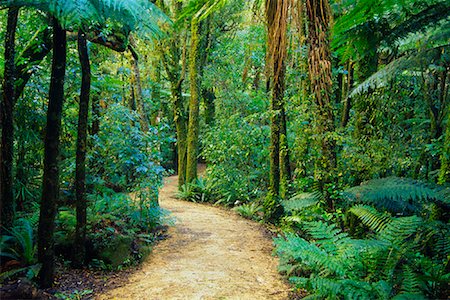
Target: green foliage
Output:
{"points": [[137, 15], [19, 242], [249, 210], [197, 191], [126, 164], [398, 195], [75, 295], [237, 152], [388, 263]]}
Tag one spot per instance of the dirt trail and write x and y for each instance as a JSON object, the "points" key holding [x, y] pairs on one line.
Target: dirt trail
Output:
{"points": [[211, 253]]}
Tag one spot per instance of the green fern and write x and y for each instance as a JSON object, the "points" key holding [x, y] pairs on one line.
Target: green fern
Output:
{"points": [[302, 201], [249, 211], [397, 195], [19, 243], [123, 15], [370, 217]]}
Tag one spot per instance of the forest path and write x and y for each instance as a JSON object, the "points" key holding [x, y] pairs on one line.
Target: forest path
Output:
{"points": [[211, 253]]}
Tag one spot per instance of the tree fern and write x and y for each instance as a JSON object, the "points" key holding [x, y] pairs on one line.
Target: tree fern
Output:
{"points": [[370, 217], [126, 15], [302, 201], [397, 195]]}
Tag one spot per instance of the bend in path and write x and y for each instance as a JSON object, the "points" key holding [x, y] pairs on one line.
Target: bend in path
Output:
{"points": [[211, 253]]}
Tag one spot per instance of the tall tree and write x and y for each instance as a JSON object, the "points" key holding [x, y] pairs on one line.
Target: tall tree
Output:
{"points": [[202, 9], [194, 104], [80, 168], [6, 115], [50, 189], [173, 53], [276, 17], [137, 88], [319, 61]]}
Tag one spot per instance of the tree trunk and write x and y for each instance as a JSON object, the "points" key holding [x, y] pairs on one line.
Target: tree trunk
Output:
{"points": [[285, 162], [319, 60], [7, 107], [347, 100], [181, 128], [95, 129], [193, 127], [50, 189], [208, 98], [444, 175], [80, 171], [276, 16], [143, 117]]}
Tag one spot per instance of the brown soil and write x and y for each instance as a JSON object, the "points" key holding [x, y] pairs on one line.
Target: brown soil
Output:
{"points": [[211, 253]]}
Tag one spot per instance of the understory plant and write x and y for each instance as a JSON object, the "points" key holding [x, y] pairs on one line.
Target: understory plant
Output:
{"points": [[399, 258]]}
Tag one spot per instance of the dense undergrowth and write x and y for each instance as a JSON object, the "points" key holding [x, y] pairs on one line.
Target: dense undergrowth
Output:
{"points": [[124, 218]]}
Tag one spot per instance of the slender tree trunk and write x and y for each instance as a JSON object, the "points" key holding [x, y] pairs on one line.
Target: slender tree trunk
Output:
{"points": [[155, 78], [193, 127], [208, 98], [174, 62], [7, 107], [347, 100], [444, 175], [95, 114], [181, 128], [319, 60], [80, 171], [285, 163], [50, 189], [143, 117]]}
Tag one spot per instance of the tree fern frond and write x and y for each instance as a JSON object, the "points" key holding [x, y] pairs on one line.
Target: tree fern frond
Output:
{"points": [[411, 282], [308, 254], [302, 201], [398, 230], [398, 195], [328, 236], [131, 15], [370, 217]]}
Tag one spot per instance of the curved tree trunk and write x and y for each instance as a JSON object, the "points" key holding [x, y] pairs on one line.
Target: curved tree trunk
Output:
{"points": [[50, 189], [7, 106], [80, 171]]}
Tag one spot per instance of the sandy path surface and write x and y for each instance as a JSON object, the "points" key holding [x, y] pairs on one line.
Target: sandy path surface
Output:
{"points": [[211, 253]]}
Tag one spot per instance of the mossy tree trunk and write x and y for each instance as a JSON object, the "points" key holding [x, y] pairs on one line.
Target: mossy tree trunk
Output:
{"points": [[444, 176], [7, 122], [194, 103], [319, 61], [50, 189], [173, 58], [80, 167], [137, 87], [276, 17]]}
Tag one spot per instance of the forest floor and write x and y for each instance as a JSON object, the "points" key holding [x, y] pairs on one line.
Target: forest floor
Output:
{"points": [[211, 253]]}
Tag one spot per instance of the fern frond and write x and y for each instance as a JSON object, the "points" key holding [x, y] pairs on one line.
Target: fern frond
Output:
{"points": [[370, 217], [328, 236], [411, 282], [123, 15], [400, 230], [395, 194], [302, 201]]}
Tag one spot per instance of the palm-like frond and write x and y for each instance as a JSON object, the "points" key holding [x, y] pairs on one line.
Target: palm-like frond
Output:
{"points": [[127, 15], [397, 195]]}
